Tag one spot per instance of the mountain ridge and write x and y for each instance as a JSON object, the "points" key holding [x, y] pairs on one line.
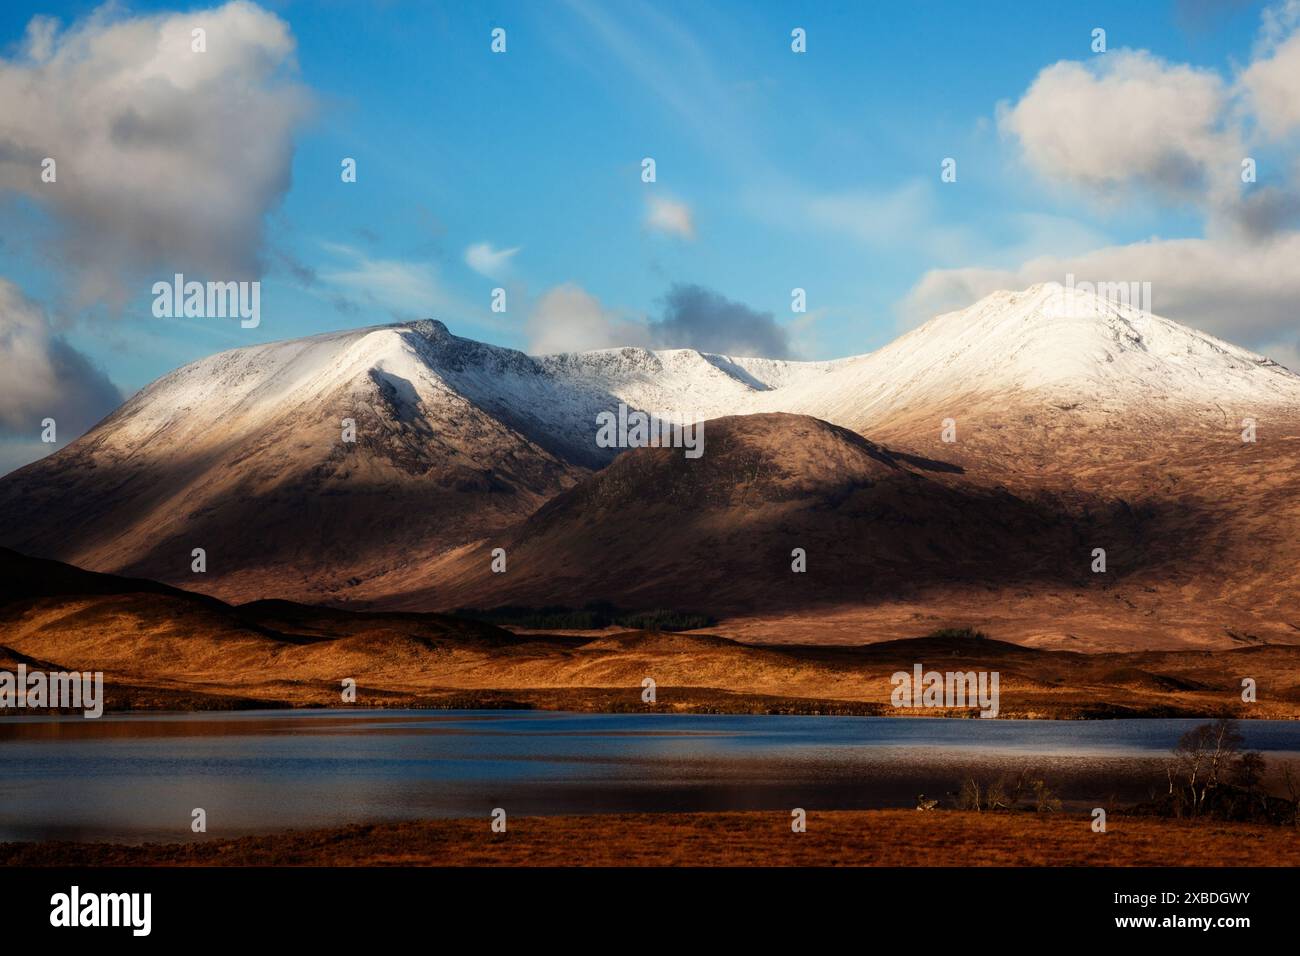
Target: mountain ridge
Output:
{"points": [[1063, 403]]}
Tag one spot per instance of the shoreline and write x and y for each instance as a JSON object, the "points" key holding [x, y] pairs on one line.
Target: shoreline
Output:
{"points": [[122, 699], [740, 708]]}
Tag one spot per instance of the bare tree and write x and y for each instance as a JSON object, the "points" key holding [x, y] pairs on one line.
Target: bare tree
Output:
{"points": [[996, 797], [1203, 757], [970, 797], [1293, 790]]}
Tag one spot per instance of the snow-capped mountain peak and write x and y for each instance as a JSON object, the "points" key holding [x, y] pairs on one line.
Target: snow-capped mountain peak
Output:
{"points": [[1045, 343], [1048, 343], [363, 453]]}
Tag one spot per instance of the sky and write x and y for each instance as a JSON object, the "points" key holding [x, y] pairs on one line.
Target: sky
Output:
{"points": [[517, 176]]}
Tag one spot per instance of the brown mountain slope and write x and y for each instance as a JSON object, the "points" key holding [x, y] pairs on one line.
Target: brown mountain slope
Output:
{"points": [[716, 534], [243, 455], [1079, 425]]}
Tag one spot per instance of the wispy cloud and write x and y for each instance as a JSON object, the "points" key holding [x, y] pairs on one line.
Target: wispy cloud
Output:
{"points": [[670, 61], [489, 261], [671, 217], [406, 289]]}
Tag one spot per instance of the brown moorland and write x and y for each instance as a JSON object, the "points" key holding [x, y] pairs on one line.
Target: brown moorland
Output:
{"points": [[833, 838], [163, 648]]}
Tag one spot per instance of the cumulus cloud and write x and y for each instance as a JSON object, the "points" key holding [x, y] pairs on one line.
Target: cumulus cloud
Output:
{"points": [[44, 375], [1125, 119], [1272, 81], [570, 319], [166, 158], [699, 318], [488, 261], [671, 217], [1128, 124]]}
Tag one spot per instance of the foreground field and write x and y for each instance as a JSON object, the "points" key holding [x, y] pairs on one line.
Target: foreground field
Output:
{"points": [[839, 838]]}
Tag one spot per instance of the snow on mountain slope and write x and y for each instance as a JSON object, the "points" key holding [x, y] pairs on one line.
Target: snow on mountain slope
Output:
{"points": [[1044, 342], [1043, 345], [1050, 344], [242, 452]]}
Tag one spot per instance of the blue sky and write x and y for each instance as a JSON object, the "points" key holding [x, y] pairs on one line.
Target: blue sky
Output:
{"points": [[775, 170]]}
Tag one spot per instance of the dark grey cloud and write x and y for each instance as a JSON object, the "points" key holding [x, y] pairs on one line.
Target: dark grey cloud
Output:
{"points": [[567, 318], [1266, 212], [44, 376], [344, 306], [698, 318], [308, 278]]}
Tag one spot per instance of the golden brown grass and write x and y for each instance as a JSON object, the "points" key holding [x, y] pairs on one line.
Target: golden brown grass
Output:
{"points": [[163, 648], [839, 838], [166, 652]]}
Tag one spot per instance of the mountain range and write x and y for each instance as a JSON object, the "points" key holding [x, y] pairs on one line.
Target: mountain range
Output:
{"points": [[966, 473]]}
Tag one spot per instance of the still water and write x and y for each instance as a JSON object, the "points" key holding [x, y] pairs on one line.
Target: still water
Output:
{"points": [[137, 777]]}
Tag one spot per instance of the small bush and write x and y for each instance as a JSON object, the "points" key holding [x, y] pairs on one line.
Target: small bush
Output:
{"points": [[1008, 792]]}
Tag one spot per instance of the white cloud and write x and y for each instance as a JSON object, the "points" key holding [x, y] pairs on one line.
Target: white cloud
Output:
{"points": [[1126, 125], [1272, 82], [670, 216], [907, 216], [166, 158], [487, 261], [1128, 118], [570, 319], [1244, 293], [873, 218]]}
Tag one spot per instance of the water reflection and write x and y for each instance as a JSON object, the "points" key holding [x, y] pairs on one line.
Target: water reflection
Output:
{"points": [[138, 777]]}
